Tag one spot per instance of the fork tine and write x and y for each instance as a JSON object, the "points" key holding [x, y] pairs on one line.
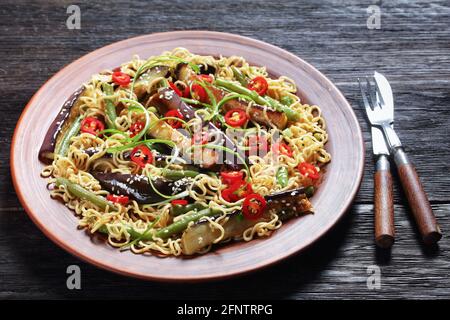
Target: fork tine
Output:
{"points": [[372, 94], [364, 96]]}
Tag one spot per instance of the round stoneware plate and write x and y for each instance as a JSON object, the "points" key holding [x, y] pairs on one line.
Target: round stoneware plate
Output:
{"points": [[340, 184]]}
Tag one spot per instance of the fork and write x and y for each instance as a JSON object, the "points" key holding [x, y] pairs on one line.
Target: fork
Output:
{"points": [[379, 116]]}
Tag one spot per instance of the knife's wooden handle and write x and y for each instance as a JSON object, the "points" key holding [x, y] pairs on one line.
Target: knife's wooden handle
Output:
{"points": [[417, 198], [384, 204]]}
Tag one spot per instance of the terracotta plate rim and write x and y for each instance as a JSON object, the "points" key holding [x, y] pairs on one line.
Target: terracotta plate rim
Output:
{"points": [[194, 278]]}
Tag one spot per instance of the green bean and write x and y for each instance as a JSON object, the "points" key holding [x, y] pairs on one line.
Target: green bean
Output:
{"points": [[239, 76], [178, 174], [268, 101], [80, 192], [182, 224], [168, 231], [286, 100], [231, 86], [63, 146], [178, 209], [282, 177], [291, 114], [110, 107]]}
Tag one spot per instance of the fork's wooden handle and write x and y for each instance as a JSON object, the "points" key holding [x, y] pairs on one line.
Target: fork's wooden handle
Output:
{"points": [[383, 204], [417, 198]]}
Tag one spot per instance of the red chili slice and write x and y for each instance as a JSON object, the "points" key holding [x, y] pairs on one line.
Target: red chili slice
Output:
{"points": [[237, 191], [231, 177], [308, 170], [121, 79], [236, 117], [186, 92], [200, 138], [205, 77], [258, 84], [180, 202], [253, 206], [174, 114], [199, 93], [282, 148], [175, 88], [92, 125], [117, 199], [136, 128], [141, 155]]}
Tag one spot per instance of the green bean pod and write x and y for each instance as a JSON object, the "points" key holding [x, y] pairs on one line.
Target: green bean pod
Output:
{"points": [[110, 109], [178, 209], [63, 147], [178, 174], [181, 225], [290, 114], [239, 76], [282, 177], [80, 192]]}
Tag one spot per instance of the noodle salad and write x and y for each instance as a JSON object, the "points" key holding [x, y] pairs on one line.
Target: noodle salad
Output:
{"points": [[176, 153]]}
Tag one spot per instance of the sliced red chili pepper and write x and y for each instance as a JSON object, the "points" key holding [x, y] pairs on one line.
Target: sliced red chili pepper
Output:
{"points": [[121, 79], [180, 202], [117, 199], [92, 125], [199, 93], [237, 191], [175, 88], [282, 148], [141, 155], [205, 77], [231, 177], [258, 145], [186, 92], [174, 114], [136, 128], [308, 170], [258, 84], [200, 138], [236, 117], [253, 206]]}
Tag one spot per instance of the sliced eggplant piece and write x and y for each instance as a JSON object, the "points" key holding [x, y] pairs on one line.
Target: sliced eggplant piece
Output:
{"points": [[183, 72], [166, 99], [286, 204], [67, 115], [138, 187], [206, 69], [142, 85]]}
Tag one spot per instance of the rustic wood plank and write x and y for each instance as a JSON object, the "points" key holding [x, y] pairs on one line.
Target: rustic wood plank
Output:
{"points": [[334, 268], [412, 48]]}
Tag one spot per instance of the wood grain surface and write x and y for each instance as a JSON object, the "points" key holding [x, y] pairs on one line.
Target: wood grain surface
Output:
{"points": [[412, 49]]}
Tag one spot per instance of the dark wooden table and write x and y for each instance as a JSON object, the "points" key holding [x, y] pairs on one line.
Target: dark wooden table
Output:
{"points": [[412, 48]]}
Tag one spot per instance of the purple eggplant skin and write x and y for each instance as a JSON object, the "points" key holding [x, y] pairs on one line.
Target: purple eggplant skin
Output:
{"points": [[61, 123], [166, 99], [138, 187]]}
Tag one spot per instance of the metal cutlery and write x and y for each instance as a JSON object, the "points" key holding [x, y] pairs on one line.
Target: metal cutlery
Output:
{"points": [[378, 101]]}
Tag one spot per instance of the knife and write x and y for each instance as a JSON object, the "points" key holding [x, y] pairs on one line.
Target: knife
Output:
{"points": [[383, 199], [383, 117]]}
